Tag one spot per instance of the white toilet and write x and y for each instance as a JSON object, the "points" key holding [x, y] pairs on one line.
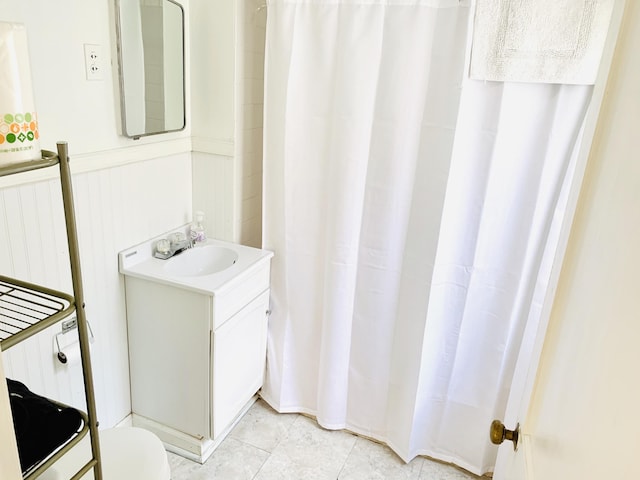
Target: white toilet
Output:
{"points": [[128, 453]]}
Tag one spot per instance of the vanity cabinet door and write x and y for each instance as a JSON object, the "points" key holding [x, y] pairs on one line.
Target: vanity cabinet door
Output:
{"points": [[238, 361], [168, 351]]}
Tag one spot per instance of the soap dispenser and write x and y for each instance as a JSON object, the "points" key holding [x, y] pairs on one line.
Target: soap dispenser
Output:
{"points": [[198, 234]]}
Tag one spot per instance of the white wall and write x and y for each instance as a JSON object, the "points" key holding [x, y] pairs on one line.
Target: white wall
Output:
{"points": [[85, 113], [126, 192], [212, 38], [213, 193], [583, 419], [115, 209], [228, 114], [251, 25]]}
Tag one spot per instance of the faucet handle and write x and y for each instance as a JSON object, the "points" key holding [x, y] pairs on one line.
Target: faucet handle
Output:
{"points": [[163, 246], [177, 238]]}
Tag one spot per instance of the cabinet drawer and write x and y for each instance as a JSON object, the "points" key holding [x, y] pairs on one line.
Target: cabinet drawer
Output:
{"points": [[229, 302]]}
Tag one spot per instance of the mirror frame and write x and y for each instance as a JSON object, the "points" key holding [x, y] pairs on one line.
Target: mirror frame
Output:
{"points": [[121, 81]]}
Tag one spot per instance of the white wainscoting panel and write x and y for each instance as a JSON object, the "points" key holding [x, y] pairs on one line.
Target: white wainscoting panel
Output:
{"points": [[213, 178], [115, 209]]}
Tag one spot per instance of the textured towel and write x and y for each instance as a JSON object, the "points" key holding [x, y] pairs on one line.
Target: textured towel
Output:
{"points": [[547, 41]]}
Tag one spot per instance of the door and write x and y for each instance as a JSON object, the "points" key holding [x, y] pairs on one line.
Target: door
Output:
{"points": [[238, 362], [168, 331], [578, 409]]}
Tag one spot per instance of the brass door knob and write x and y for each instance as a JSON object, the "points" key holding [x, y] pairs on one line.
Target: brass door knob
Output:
{"points": [[499, 433]]}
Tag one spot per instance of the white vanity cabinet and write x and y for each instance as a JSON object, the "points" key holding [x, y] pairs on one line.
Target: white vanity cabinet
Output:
{"points": [[197, 354]]}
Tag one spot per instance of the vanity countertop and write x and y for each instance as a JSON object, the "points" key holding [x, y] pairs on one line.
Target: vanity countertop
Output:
{"points": [[138, 261]]}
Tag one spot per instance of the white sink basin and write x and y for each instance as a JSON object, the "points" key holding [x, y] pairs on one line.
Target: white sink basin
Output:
{"points": [[201, 260], [210, 268]]}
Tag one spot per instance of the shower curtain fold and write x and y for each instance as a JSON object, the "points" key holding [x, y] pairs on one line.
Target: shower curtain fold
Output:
{"points": [[411, 211]]}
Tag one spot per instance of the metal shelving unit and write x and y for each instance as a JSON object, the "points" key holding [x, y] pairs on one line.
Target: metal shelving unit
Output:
{"points": [[26, 309]]}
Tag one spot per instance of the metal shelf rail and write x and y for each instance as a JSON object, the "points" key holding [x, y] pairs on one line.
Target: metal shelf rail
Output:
{"points": [[26, 309]]}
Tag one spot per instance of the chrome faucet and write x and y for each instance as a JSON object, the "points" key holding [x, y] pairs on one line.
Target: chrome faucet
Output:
{"points": [[171, 246]]}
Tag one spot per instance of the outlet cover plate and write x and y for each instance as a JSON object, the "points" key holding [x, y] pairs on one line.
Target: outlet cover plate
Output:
{"points": [[93, 61]]}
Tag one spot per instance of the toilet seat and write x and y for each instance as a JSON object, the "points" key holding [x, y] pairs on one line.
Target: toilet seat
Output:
{"points": [[127, 453]]}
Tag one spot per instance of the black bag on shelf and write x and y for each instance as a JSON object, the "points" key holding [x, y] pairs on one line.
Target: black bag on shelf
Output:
{"points": [[41, 426]]}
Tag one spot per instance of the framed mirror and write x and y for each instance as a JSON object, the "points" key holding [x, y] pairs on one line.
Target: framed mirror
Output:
{"points": [[151, 66]]}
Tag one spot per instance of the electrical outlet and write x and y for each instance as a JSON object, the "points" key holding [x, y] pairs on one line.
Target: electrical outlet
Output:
{"points": [[93, 61]]}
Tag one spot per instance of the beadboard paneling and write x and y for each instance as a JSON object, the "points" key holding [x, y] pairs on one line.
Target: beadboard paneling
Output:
{"points": [[213, 193], [115, 209]]}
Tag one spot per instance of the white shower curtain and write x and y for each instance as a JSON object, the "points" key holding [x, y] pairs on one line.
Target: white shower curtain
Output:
{"points": [[410, 211]]}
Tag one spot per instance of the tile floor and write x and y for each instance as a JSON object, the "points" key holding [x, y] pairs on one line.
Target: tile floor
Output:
{"points": [[266, 445]]}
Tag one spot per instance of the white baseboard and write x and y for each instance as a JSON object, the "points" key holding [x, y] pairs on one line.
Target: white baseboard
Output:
{"points": [[125, 422], [197, 449]]}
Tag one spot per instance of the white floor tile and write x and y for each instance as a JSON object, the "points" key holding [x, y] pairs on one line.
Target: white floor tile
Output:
{"points": [[232, 460], [372, 461], [263, 427], [308, 452], [266, 445], [432, 470]]}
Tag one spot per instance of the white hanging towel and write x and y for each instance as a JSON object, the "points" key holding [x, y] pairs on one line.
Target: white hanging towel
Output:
{"points": [[19, 137], [543, 41]]}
